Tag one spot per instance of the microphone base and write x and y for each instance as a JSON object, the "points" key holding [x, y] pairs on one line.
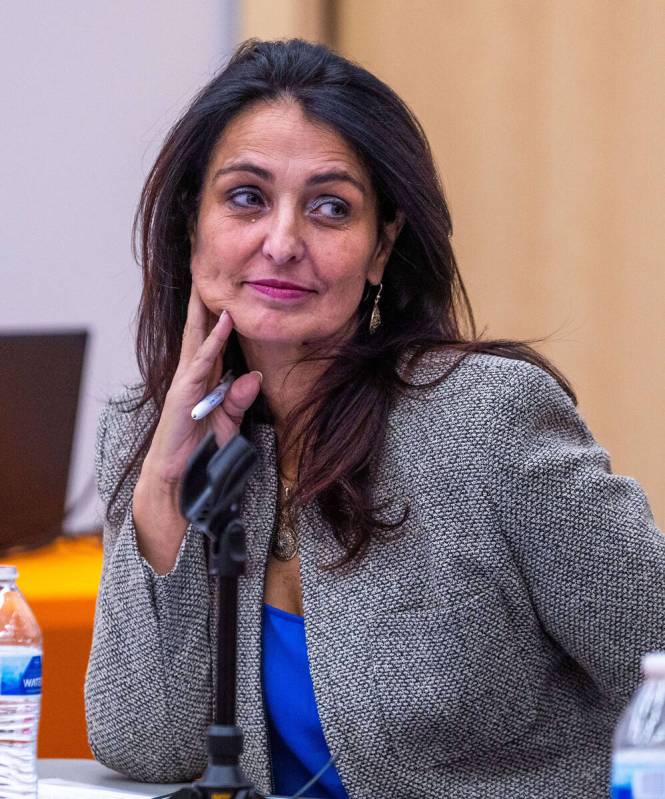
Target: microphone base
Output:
{"points": [[199, 792], [220, 782], [223, 777]]}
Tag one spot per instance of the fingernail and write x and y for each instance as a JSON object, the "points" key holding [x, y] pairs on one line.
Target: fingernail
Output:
{"points": [[223, 314], [260, 374]]}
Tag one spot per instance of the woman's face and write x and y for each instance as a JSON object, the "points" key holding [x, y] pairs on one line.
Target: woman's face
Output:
{"points": [[286, 234]]}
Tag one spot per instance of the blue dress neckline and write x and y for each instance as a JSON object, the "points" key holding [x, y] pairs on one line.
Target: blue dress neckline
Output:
{"points": [[297, 744]]}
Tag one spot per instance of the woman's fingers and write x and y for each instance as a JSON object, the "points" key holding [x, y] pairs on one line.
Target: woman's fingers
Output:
{"points": [[240, 396], [200, 367], [205, 365], [196, 326]]}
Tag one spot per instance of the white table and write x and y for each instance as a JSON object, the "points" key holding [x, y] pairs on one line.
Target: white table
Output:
{"points": [[82, 774], [93, 774]]}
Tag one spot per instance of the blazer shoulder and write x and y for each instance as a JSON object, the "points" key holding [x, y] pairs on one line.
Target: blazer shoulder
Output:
{"points": [[477, 396], [483, 378]]}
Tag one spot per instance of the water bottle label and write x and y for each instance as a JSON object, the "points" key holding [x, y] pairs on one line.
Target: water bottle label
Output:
{"points": [[638, 775], [20, 675]]}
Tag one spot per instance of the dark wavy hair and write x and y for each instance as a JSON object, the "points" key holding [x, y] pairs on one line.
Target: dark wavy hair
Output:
{"points": [[424, 305]]}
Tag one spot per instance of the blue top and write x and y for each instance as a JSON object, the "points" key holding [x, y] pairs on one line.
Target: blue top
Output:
{"points": [[298, 748]]}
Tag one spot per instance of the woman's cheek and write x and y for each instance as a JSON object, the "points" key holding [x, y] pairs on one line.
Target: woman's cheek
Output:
{"points": [[341, 301], [206, 267], [212, 287]]}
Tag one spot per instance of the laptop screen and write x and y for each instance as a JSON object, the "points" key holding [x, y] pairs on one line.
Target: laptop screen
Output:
{"points": [[40, 378]]}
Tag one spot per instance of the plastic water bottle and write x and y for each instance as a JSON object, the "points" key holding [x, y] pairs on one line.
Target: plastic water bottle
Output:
{"points": [[638, 763], [20, 690]]}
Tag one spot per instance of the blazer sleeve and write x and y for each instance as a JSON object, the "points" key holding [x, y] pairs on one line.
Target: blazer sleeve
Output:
{"points": [[583, 538], [148, 688]]}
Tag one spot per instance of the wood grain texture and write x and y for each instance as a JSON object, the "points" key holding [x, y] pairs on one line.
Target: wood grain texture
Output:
{"points": [[546, 122]]}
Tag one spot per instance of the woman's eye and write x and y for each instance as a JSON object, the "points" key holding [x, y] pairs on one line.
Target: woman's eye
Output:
{"points": [[336, 209], [246, 198]]}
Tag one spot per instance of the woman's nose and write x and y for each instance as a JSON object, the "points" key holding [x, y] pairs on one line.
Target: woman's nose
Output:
{"points": [[283, 241]]}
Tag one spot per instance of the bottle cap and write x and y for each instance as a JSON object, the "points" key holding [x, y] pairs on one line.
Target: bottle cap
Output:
{"points": [[653, 664], [8, 572]]}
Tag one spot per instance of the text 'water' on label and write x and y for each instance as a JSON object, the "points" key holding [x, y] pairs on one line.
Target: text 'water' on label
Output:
{"points": [[20, 675]]}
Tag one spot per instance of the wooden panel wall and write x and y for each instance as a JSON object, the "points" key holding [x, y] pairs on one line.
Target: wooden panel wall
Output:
{"points": [[276, 19], [546, 119]]}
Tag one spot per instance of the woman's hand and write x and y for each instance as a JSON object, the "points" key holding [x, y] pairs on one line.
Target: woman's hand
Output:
{"points": [[159, 525]]}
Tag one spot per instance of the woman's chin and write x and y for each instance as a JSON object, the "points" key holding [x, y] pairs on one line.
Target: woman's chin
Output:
{"points": [[275, 335], [279, 329]]}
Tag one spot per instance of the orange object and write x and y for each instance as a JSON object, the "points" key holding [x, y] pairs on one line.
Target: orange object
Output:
{"points": [[60, 583]]}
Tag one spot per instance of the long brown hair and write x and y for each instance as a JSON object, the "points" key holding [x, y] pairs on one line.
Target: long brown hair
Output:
{"points": [[424, 305]]}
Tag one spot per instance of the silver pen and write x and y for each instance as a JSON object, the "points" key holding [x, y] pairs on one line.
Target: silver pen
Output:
{"points": [[215, 398]]}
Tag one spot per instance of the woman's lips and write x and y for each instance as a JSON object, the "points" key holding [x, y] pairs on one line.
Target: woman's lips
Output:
{"points": [[280, 290]]}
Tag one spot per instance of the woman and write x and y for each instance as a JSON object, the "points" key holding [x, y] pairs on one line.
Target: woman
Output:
{"points": [[455, 585]]}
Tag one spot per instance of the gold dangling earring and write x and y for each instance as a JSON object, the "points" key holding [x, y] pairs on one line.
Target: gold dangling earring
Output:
{"points": [[375, 318]]}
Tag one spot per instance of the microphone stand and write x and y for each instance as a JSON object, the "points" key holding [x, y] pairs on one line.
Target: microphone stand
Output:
{"points": [[213, 485]]}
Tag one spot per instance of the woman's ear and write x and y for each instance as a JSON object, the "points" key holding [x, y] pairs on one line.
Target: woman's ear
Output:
{"points": [[396, 226], [387, 238]]}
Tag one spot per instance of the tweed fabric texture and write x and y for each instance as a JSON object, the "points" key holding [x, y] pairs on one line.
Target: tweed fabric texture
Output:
{"points": [[486, 651]]}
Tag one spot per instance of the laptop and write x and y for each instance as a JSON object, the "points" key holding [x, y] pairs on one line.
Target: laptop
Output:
{"points": [[40, 379]]}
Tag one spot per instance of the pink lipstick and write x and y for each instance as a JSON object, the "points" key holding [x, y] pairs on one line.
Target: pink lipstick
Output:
{"points": [[280, 289]]}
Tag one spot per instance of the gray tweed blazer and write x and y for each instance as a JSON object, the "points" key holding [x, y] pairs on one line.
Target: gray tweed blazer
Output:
{"points": [[487, 652]]}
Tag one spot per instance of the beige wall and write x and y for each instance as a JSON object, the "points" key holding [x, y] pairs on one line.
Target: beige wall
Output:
{"points": [[88, 91], [546, 119], [275, 19]]}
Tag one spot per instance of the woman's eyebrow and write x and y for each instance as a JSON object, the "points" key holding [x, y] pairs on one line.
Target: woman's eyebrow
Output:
{"points": [[244, 166], [336, 174], [314, 180]]}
